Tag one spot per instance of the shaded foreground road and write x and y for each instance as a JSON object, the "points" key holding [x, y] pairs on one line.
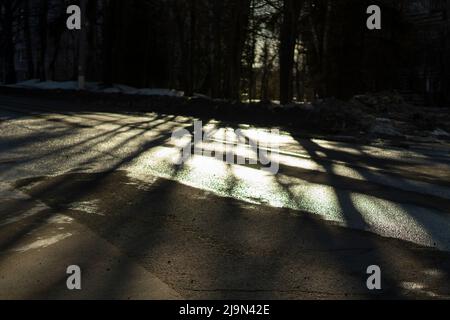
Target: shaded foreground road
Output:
{"points": [[100, 190]]}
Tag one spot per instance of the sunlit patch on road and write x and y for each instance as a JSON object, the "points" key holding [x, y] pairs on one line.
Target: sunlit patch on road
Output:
{"points": [[89, 207], [42, 243]]}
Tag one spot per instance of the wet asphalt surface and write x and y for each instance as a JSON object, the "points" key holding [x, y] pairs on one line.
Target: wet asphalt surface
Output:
{"points": [[206, 228]]}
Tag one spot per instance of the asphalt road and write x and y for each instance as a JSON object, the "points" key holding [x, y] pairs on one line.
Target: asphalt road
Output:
{"points": [[103, 191]]}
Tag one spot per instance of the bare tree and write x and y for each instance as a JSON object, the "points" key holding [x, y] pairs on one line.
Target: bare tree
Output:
{"points": [[8, 9], [288, 36], [28, 38], [43, 33]]}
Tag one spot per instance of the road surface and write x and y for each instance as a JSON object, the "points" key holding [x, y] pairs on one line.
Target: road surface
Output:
{"points": [[104, 191]]}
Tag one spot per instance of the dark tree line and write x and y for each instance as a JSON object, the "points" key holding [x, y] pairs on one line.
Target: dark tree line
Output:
{"points": [[233, 49]]}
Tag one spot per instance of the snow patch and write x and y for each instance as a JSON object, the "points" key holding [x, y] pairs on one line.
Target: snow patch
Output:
{"points": [[96, 87], [384, 127], [440, 133]]}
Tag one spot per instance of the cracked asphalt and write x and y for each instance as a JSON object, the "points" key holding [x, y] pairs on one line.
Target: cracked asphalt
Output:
{"points": [[101, 190]]}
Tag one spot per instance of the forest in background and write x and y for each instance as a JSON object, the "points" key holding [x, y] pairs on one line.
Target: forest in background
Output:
{"points": [[244, 50]]}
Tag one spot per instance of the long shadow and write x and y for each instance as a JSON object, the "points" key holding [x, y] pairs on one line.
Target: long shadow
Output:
{"points": [[231, 280], [432, 226], [129, 226], [133, 228], [107, 135], [402, 201], [56, 184], [78, 192], [353, 217]]}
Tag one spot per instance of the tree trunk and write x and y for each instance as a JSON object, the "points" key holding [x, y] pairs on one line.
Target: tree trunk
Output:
{"points": [[9, 44], [288, 37], [217, 52], [265, 74], [82, 47], [252, 54], [185, 48], [28, 40], [92, 13], [108, 40], [239, 28], [191, 79], [43, 28], [325, 45]]}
